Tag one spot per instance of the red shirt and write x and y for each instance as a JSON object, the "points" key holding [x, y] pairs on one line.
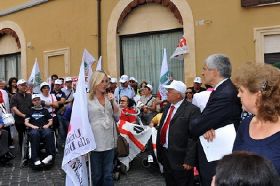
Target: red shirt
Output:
{"points": [[128, 118], [1, 97]]}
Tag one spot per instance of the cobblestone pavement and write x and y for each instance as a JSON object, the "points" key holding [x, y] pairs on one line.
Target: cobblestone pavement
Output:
{"points": [[13, 174], [138, 175]]}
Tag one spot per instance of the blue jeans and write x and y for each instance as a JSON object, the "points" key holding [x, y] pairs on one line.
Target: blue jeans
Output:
{"points": [[62, 128], [102, 168], [35, 137]]}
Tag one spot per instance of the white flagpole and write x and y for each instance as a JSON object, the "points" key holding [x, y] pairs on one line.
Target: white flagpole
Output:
{"points": [[99, 64], [89, 169]]}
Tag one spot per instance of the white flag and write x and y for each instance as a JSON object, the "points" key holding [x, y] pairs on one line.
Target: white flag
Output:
{"points": [[88, 60], [137, 137], [164, 76], [35, 78], [181, 49], [99, 64], [80, 139]]}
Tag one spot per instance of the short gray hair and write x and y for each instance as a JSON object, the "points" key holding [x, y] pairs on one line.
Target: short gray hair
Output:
{"points": [[221, 63]]}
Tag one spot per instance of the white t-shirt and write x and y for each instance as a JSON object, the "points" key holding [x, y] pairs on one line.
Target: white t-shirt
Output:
{"points": [[49, 99]]}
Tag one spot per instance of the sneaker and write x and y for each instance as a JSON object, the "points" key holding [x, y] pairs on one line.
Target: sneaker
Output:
{"points": [[10, 155], [47, 159], [37, 163]]}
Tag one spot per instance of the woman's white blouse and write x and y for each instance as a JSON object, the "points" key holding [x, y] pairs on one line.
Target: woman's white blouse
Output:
{"points": [[102, 124]]}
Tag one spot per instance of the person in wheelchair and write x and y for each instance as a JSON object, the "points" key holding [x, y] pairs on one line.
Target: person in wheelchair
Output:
{"points": [[126, 105], [39, 124]]}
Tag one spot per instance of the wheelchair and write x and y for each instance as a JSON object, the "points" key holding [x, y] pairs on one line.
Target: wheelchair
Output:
{"points": [[26, 152]]}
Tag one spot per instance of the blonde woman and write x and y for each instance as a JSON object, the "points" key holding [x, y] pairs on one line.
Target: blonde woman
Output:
{"points": [[101, 109], [259, 91]]}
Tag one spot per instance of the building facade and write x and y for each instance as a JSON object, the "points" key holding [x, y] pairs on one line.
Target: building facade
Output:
{"points": [[131, 34]]}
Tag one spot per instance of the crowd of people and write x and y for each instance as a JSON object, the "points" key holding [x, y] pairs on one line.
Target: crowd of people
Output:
{"points": [[188, 115]]}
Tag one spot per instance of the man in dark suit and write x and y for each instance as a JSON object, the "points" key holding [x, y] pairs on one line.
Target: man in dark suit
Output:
{"points": [[223, 108], [175, 149]]}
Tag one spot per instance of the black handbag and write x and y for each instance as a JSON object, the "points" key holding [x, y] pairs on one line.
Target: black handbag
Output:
{"points": [[122, 146]]}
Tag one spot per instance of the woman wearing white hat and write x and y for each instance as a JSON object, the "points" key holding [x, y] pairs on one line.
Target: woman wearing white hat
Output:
{"points": [[48, 99], [149, 107]]}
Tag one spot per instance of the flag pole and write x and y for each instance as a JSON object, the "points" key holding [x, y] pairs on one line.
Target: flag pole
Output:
{"points": [[89, 169]]}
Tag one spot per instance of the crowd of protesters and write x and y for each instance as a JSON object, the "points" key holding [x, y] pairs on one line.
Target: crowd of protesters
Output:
{"points": [[187, 115]]}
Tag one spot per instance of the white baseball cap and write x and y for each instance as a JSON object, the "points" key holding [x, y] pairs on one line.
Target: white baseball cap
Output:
{"points": [[35, 96], [133, 79], [113, 80], [150, 87], [44, 84], [68, 79], [21, 81], [197, 80], [58, 82], [177, 85], [124, 78]]}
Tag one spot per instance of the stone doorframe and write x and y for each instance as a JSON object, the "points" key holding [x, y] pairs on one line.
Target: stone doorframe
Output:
{"points": [[16, 28], [117, 15]]}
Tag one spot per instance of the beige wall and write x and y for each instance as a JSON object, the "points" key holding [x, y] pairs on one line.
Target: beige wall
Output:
{"points": [[10, 3], [60, 24], [55, 25], [232, 29], [8, 45]]}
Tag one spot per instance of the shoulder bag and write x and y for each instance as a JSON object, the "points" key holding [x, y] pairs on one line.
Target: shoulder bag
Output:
{"points": [[8, 118]]}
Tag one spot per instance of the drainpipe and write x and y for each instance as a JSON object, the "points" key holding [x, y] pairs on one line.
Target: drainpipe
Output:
{"points": [[99, 27]]}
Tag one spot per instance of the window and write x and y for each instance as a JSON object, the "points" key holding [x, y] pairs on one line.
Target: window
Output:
{"points": [[141, 56], [10, 66], [272, 58], [272, 49]]}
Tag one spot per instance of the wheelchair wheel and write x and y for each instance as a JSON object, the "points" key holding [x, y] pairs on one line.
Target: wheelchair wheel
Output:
{"points": [[24, 151], [146, 163]]}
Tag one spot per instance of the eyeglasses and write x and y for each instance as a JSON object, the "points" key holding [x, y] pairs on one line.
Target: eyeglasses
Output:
{"points": [[122, 100], [189, 92]]}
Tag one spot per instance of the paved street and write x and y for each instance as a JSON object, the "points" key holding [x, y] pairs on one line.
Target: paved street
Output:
{"points": [[13, 174]]}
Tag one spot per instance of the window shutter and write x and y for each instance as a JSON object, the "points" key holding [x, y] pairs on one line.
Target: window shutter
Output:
{"points": [[249, 3]]}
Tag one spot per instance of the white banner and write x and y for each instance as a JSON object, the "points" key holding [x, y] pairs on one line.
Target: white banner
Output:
{"points": [[35, 78], [164, 76], [88, 60], [80, 139]]}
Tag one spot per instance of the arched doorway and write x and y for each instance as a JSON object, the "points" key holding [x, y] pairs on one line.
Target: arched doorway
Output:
{"points": [[13, 51], [181, 11]]}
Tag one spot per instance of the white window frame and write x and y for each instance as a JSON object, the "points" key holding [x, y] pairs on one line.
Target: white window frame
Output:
{"points": [[259, 34]]}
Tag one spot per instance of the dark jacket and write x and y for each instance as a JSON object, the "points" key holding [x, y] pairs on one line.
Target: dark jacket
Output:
{"points": [[181, 148]]}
